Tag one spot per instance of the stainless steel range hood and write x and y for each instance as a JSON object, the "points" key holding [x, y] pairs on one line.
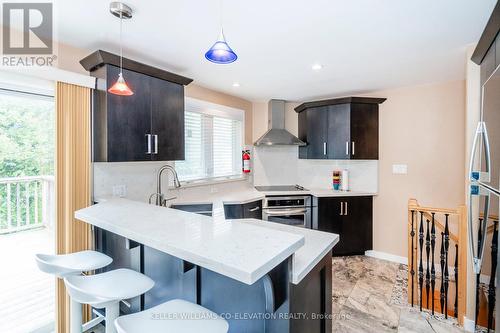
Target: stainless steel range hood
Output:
{"points": [[277, 134]]}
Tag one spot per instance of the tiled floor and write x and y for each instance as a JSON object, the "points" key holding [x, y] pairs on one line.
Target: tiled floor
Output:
{"points": [[369, 295]]}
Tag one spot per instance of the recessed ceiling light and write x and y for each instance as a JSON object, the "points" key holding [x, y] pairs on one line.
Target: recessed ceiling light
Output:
{"points": [[236, 84], [317, 67]]}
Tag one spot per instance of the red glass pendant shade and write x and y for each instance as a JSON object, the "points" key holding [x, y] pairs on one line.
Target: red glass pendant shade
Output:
{"points": [[120, 87]]}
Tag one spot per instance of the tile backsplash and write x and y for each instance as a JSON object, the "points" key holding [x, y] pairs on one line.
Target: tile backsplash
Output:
{"points": [[271, 166], [281, 165]]}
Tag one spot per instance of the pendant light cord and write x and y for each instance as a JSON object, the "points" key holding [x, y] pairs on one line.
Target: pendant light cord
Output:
{"points": [[121, 43]]}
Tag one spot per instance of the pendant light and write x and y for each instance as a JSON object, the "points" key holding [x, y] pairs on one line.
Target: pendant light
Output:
{"points": [[220, 52], [121, 11]]}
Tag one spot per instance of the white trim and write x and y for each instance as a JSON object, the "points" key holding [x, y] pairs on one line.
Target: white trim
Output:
{"points": [[469, 325], [54, 74], [387, 256]]}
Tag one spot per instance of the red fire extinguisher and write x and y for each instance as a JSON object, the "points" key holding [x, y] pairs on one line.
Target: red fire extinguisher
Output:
{"points": [[246, 161]]}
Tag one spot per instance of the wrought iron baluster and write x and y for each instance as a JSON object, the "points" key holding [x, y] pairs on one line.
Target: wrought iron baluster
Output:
{"points": [[441, 257], [456, 281], [427, 270], [433, 268], [446, 273], [421, 265], [491, 286], [412, 268], [478, 276]]}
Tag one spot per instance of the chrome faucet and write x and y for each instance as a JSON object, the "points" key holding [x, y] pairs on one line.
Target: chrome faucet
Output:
{"points": [[160, 197]]}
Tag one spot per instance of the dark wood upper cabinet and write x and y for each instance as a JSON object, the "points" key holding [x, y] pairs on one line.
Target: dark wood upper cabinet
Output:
{"points": [[343, 128], [167, 120], [147, 126]]}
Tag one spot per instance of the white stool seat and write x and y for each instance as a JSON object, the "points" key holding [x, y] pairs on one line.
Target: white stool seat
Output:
{"points": [[100, 289], [73, 263], [176, 316]]}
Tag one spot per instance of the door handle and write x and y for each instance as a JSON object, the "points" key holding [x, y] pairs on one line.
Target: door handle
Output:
{"points": [[254, 209], [345, 210], [347, 148], [148, 137], [353, 145], [341, 208], [477, 252], [156, 143], [324, 148], [478, 175]]}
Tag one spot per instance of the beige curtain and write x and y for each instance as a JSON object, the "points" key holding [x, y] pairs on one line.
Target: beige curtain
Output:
{"points": [[73, 181]]}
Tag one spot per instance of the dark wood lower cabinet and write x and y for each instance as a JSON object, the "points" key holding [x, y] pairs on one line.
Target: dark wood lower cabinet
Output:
{"points": [[351, 218], [125, 254], [251, 210]]}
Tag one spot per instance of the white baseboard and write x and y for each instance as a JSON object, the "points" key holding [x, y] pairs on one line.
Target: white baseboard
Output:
{"points": [[387, 256], [469, 325]]}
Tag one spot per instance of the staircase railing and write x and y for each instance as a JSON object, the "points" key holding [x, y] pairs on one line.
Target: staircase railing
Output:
{"points": [[485, 284], [437, 233]]}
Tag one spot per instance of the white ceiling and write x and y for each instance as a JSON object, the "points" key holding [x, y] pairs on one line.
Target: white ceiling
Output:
{"points": [[364, 45]]}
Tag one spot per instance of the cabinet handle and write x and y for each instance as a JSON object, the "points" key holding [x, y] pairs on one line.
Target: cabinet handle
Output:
{"points": [[353, 145], [345, 210], [254, 209], [156, 143], [341, 208], [324, 148], [347, 147], [148, 137]]}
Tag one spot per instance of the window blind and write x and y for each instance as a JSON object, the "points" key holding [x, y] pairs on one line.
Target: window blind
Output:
{"points": [[213, 147]]}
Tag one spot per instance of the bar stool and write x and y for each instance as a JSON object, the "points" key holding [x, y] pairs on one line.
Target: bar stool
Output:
{"points": [[75, 263], [106, 290], [176, 316], [62, 265]]}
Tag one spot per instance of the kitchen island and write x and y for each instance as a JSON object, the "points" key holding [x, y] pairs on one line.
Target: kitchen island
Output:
{"points": [[261, 276]]}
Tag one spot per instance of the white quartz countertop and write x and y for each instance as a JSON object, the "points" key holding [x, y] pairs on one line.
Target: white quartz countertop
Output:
{"points": [[317, 245], [242, 250], [249, 194]]}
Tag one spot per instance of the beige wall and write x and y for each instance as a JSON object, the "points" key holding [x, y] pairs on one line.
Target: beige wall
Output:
{"points": [[423, 127]]}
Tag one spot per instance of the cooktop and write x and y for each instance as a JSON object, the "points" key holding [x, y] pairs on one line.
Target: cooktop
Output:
{"points": [[280, 188]]}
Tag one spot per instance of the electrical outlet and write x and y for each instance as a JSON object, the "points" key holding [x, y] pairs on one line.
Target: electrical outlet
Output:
{"points": [[120, 191], [400, 169], [214, 190]]}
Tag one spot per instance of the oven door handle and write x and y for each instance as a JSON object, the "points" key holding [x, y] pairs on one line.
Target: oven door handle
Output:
{"points": [[273, 212]]}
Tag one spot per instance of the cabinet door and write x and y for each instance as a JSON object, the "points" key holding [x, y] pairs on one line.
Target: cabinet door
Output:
{"points": [[339, 132], [316, 133], [128, 118], [330, 217], [253, 210], [364, 131], [167, 120], [357, 224]]}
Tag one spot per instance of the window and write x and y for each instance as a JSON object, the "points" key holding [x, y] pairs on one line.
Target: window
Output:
{"points": [[213, 139]]}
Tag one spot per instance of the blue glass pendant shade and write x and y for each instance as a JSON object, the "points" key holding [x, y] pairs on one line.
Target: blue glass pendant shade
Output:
{"points": [[220, 52]]}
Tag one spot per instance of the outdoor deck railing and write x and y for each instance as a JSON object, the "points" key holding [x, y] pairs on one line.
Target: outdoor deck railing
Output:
{"points": [[26, 203]]}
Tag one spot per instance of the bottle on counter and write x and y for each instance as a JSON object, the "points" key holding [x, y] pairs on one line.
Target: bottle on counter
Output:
{"points": [[345, 180], [336, 179]]}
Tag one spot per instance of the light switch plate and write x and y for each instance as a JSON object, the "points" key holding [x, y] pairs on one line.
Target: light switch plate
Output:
{"points": [[400, 169], [120, 191]]}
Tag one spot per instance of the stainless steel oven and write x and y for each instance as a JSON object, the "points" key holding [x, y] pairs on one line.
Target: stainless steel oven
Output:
{"points": [[293, 210]]}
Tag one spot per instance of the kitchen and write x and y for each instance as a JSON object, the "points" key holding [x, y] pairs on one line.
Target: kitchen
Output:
{"points": [[280, 204]]}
